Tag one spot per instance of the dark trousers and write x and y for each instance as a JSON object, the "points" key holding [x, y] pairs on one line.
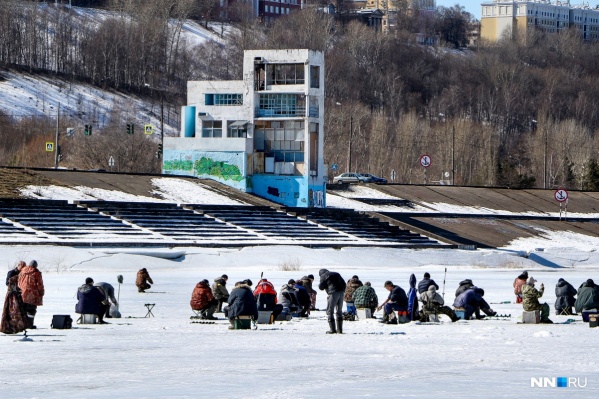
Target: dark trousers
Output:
{"points": [[335, 305], [31, 311], [219, 306]]}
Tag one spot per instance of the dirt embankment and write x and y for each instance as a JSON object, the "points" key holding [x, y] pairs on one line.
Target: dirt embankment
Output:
{"points": [[11, 180]]}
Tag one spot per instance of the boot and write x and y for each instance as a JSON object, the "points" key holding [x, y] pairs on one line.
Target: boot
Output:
{"points": [[340, 325], [332, 327], [384, 319]]}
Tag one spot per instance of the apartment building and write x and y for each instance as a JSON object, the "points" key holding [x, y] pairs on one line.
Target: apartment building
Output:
{"points": [[263, 134], [500, 18]]}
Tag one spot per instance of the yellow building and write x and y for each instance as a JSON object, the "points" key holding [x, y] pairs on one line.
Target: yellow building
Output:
{"points": [[499, 18]]}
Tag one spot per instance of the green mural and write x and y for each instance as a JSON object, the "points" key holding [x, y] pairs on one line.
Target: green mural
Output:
{"points": [[178, 164], [223, 170]]}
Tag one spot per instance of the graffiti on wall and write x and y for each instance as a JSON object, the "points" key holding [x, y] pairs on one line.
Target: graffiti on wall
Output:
{"points": [[204, 164], [220, 169]]}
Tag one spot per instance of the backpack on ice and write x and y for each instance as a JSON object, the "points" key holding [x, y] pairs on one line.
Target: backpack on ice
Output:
{"points": [[61, 321]]}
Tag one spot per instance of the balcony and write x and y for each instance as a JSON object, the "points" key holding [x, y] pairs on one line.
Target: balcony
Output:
{"points": [[281, 112]]}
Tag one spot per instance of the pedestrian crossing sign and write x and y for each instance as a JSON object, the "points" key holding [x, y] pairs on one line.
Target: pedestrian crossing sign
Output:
{"points": [[49, 146], [148, 129]]}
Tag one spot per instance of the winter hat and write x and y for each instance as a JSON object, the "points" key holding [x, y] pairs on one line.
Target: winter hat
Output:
{"points": [[356, 277], [204, 281], [590, 282], [89, 280], [299, 282], [291, 282], [33, 263], [21, 264], [225, 276], [426, 275], [432, 288], [367, 283], [311, 276], [322, 271], [388, 282], [531, 281], [248, 282]]}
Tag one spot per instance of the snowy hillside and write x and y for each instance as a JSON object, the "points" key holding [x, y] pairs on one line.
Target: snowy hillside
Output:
{"points": [[24, 94]]}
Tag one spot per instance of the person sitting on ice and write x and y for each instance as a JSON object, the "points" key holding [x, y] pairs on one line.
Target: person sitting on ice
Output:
{"points": [[464, 285], [518, 283], [564, 293], [266, 298], [352, 284], [472, 302], [303, 298], [397, 300], [365, 297], [432, 304], [203, 301], [91, 300], [241, 303], [288, 298], [588, 296], [426, 282], [530, 299]]}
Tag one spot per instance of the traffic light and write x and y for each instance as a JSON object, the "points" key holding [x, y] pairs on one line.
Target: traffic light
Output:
{"points": [[88, 130], [130, 128], [160, 148]]}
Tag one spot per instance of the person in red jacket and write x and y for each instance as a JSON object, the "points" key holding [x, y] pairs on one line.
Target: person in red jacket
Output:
{"points": [[203, 300], [266, 298], [31, 285]]}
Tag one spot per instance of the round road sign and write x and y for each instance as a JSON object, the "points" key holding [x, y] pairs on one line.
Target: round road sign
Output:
{"points": [[560, 195], [425, 161]]}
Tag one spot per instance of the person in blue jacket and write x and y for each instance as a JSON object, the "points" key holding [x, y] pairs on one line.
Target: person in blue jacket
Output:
{"points": [[412, 299], [472, 302]]}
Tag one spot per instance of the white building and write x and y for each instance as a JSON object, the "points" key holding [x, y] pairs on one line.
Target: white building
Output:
{"points": [[263, 134]]}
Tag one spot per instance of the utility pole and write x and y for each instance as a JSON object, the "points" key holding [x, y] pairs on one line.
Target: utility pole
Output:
{"points": [[453, 155], [56, 139], [545, 161], [351, 131]]}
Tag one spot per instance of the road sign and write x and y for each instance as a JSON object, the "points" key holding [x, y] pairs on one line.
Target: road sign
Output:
{"points": [[49, 146], [334, 167], [560, 195], [425, 161], [148, 129], [393, 174], [111, 161]]}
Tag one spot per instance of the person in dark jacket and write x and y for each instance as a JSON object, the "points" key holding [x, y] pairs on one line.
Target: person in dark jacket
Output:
{"points": [[588, 296], [14, 272], [108, 291], [288, 298], [307, 281], [334, 285], [91, 300], [241, 303], [425, 283], [352, 284], [303, 298], [464, 285], [564, 293], [220, 292], [397, 300], [433, 304], [412, 299], [471, 300]]}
